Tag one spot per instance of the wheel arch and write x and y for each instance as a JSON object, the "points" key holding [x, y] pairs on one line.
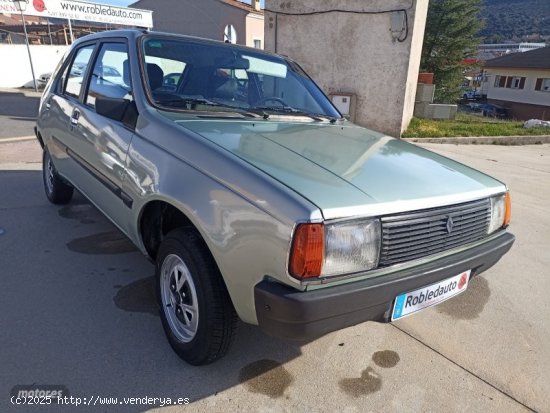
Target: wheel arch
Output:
{"points": [[39, 137], [156, 219]]}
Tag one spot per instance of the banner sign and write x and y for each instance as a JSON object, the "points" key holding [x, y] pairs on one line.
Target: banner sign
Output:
{"points": [[80, 10]]}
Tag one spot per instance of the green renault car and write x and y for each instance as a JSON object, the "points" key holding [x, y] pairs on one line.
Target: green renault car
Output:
{"points": [[232, 171]]}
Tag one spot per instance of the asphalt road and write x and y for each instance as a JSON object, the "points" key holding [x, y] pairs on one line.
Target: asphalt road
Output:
{"points": [[77, 309], [18, 110]]}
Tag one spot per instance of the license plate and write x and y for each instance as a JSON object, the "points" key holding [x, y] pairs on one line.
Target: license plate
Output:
{"points": [[414, 301]]}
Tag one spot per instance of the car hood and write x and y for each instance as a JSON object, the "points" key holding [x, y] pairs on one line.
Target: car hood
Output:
{"points": [[347, 170]]}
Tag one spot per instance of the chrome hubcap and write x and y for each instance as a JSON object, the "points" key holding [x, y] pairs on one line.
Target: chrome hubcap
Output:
{"points": [[179, 298]]}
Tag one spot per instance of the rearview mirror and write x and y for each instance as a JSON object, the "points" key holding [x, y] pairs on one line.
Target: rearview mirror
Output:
{"points": [[233, 63]]}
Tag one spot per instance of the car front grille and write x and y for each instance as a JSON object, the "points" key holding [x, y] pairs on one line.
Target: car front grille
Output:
{"points": [[412, 235]]}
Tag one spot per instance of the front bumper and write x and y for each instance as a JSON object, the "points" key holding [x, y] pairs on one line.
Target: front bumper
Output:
{"points": [[285, 312]]}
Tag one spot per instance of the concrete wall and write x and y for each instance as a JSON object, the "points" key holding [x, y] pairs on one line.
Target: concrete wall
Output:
{"points": [[526, 95], [355, 53], [254, 29], [15, 69], [204, 18]]}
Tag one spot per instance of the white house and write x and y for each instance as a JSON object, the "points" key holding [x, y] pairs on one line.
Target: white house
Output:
{"points": [[520, 82]]}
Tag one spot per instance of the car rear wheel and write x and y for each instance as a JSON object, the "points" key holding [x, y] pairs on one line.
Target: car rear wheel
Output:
{"points": [[57, 190], [196, 311]]}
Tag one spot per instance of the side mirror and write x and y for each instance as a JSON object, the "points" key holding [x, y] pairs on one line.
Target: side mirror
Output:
{"points": [[112, 108], [121, 110]]}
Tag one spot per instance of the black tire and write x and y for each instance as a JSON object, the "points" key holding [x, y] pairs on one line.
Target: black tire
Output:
{"points": [[57, 190], [217, 319]]}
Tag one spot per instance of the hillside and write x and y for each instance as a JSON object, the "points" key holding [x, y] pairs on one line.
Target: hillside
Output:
{"points": [[517, 20]]}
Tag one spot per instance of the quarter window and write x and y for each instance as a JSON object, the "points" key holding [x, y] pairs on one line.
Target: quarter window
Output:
{"points": [[77, 71], [111, 74]]}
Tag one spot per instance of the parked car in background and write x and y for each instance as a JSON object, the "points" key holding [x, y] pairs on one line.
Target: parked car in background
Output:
{"points": [[44, 78], [254, 197], [471, 95], [78, 69], [110, 75], [473, 108], [170, 81], [494, 111], [110, 71]]}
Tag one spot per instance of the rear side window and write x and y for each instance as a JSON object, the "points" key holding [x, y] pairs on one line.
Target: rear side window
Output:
{"points": [[111, 74], [77, 71]]}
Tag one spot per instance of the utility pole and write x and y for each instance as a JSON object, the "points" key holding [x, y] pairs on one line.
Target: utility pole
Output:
{"points": [[21, 6]]}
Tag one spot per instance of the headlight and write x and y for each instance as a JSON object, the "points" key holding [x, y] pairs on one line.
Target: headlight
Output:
{"points": [[500, 212], [320, 250], [351, 247]]}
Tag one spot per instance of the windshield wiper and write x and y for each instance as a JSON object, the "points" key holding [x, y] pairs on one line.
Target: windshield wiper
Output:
{"points": [[184, 101], [289, 110], [178, 101]]}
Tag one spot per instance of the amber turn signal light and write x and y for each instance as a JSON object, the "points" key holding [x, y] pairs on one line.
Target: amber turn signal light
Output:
{"points": [[507, 210], [308, 250]]}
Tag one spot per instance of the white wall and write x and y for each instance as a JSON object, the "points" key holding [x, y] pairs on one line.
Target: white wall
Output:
{"points": [[526, 95], [15, 69], [355, 53]]}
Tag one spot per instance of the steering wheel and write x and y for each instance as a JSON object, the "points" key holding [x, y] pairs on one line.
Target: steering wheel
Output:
{"points": [[273, 99]]}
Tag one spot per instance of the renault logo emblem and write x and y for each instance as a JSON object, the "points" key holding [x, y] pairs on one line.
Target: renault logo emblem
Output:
{"points": [[450, 224]]}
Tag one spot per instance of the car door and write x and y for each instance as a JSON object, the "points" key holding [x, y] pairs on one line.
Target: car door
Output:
{"points": [[104, 142], [60, 109]]}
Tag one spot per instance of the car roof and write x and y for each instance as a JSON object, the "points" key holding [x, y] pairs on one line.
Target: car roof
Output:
{"points": [[133, 34]]}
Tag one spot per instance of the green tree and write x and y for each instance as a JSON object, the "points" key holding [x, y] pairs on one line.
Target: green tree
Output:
{"points": [[451, 36]]}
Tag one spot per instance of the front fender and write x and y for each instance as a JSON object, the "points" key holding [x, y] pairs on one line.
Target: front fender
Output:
{"points": [[247, 242]]}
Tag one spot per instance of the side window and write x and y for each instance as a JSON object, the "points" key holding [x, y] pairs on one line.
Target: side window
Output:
{"points": [[77, 70], [111, 75]]}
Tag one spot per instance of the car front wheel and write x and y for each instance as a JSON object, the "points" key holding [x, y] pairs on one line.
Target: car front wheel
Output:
{"points": [[57, 190], [196, 311]]}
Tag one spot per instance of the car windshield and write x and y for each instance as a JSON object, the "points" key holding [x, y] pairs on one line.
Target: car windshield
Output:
{"points": [[187, 74]]}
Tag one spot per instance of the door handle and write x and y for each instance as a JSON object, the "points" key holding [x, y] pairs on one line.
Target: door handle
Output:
{"points": [[75, 117]]}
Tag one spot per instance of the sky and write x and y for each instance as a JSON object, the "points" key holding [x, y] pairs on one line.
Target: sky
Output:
{"points": [[127, 2]]}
